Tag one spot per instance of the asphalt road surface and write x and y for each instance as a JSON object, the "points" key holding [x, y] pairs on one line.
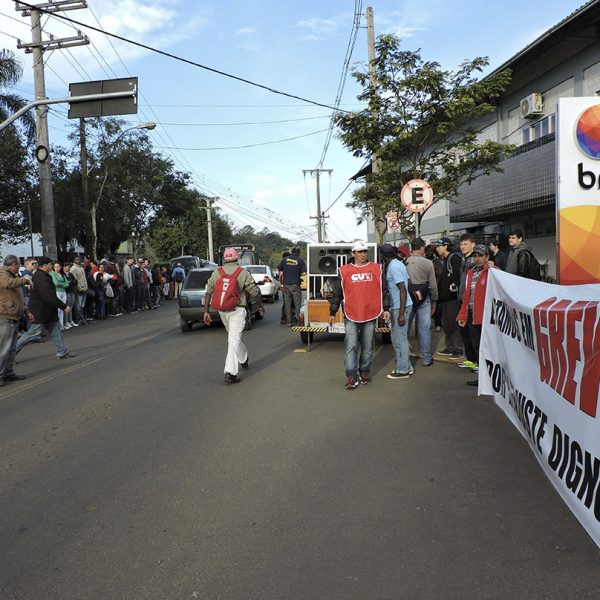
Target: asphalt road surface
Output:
{"points": [[133, 472]]}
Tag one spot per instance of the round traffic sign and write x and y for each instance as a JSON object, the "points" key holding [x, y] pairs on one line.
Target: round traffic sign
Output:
{"points": [[416, 195]]}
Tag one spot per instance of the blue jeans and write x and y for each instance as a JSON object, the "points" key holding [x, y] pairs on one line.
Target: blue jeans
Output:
{"points": [[363, 334], [423, 313], [35, 331], [8, 344], [400, 340]]}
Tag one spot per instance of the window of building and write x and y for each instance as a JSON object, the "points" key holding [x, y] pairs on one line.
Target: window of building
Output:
{"points": [[591, 80], [539, 129]]}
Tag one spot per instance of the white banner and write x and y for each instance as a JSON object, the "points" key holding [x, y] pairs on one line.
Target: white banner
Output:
{"points": [[540, 360]]}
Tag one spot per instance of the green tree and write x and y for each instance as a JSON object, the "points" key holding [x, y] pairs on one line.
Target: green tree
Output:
{"points": [[420, 124], [16, 172]]}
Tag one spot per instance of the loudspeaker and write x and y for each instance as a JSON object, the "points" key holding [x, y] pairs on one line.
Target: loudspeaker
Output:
{"points": [[325, 260]]}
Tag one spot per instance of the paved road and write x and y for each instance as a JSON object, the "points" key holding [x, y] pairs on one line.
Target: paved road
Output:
{"points": [[132, 472]]}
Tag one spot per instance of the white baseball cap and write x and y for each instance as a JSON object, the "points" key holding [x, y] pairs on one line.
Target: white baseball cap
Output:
{"points": [[359, 245]]}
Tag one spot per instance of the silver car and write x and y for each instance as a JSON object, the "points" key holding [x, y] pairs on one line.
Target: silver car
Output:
{"points": [[191, 301]]}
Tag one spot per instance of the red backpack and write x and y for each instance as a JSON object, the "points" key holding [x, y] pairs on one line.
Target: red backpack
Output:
{"points": [[226, 294]]}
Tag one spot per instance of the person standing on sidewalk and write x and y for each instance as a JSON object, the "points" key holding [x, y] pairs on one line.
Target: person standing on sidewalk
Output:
{"points": [[234, 320], [78, 272], [363, 292], [448, 284], [467, 244], [424, 294], [12, 307], [396, 277], [470, 316], [44, 305], [291, 268]]}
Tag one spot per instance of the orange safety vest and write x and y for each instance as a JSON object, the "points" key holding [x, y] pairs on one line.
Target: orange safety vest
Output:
{"points": [[362, 291]]}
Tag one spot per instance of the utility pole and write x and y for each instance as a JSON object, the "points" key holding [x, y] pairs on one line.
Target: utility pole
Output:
{"points": [[85, 189], [37, 48], [320, 216], [209, 203], [375, 161]]}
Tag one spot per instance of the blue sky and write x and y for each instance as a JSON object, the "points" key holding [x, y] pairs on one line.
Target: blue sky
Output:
{"points": [[296, 47]]}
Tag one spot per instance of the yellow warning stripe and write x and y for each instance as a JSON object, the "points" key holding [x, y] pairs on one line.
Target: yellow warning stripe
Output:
{"points": [[310, 329], [383, 329]]}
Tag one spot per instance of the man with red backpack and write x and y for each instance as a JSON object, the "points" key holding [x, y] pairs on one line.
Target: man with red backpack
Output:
{"points": [[226, 292]]}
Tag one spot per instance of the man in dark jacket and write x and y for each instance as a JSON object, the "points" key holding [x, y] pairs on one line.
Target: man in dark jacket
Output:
{"points": [[44, 305], [448, 284]]}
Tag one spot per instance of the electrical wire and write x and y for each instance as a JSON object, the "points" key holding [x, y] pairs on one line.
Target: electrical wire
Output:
{"points": [[175, 57], [297, 137], [241, 123]]}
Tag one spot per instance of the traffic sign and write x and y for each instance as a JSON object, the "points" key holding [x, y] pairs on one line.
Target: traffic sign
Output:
{"points": [[393, 220], [416, 195], [109, 106]]}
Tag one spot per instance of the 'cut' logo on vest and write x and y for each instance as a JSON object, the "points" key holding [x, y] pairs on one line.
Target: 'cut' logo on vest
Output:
{"points": [[362, 277]]}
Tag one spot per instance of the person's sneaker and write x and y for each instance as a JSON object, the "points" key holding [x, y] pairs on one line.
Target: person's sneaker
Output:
{"points": [[398, 375], [456, 355], [467, 364], [475, 369], [438, 328], [429, 364], [229, 378], [245, 365], [13, 377], [66, 355], [445, 352], [283, 322], [364, 378], [351, 383]]}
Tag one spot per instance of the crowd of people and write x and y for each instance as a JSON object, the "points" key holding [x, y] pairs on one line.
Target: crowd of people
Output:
{"points": [[44, 297], [438, 282]]}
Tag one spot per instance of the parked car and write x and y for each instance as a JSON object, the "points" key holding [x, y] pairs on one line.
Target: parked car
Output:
{"points": [[266, 281], [191, 301], [191, 262]]}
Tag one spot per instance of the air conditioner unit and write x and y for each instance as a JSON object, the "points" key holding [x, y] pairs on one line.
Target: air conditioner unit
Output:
{"points": [[532, 106]]}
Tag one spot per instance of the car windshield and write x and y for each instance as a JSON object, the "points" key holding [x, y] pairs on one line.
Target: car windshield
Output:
{"points": [[187, 263], [258, 270], [197, 280]]}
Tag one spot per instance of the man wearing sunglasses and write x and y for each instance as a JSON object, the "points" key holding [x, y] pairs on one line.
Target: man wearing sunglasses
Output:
{"points": [[365, 296]]}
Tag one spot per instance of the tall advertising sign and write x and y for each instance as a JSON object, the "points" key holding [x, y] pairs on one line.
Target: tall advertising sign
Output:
{"points": [[578, 190]]}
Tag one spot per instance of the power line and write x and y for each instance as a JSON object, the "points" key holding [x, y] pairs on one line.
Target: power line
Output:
{"points": [[175, 57], [297, 137], [242, 122]]}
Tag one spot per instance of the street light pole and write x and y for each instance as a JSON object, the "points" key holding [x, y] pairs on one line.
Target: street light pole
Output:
{"points": [[94, 204]]}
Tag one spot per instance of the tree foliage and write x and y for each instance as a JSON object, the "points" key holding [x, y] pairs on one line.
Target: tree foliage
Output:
{"points": [[269, 245], [420, 124]]}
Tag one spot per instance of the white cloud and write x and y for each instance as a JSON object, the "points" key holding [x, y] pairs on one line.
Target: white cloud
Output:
{"points": [[244, 31], [319, 29]]}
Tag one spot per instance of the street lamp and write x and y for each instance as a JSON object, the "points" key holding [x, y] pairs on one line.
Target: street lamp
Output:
{"points": [[94, 205]]}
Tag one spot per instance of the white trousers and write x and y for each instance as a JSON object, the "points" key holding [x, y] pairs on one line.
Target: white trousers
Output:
{"points": [[234, 322]]}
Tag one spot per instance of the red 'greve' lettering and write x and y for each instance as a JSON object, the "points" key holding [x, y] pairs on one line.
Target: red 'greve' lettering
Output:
{"points": [[540, 318], [574, 315], [556, 333], [590, 377]]}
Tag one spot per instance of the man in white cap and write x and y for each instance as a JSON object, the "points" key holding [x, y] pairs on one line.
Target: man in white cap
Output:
{"points": [[363, 291], [230, 284]]}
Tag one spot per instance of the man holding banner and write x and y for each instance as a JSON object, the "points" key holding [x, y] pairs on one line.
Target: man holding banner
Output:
{"points": [[473, 300]]}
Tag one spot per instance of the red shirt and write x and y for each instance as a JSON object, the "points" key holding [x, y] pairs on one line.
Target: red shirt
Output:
{"points": [[362, 291], [478, 298]]}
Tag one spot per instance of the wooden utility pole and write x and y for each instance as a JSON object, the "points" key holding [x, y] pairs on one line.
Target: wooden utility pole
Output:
{"points": [[85, 188], [37, 47], [320, 216]]}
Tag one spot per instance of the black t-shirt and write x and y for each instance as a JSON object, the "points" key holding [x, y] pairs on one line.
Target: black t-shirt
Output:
{"points": [[292, 266]]}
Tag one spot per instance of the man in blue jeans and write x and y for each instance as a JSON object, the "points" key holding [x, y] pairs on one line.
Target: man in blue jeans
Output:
{"points": [[361, 288], [424, 293], [400, 307]]}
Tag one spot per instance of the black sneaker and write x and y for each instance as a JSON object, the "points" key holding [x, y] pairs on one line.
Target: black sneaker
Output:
{"points": [[398, 375], [13, 377], [456, 355], [66, 355], [245, 365], [445, 352], [229, 378], [351, 383]]}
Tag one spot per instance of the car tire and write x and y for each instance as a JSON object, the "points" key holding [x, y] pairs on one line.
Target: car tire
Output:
{"points": [[305, 336], [185, 325]]}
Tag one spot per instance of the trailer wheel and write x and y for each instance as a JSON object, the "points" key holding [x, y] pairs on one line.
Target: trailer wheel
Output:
{"points": [[305, 336]]}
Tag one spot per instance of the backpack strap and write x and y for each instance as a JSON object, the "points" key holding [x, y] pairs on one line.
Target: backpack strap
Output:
{"points": [[222, 272], [236, 273]]}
